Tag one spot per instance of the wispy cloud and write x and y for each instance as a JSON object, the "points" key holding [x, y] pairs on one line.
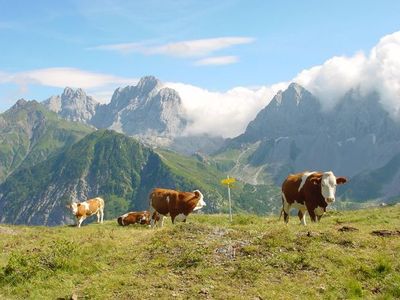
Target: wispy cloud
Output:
{"points": [[62, 77], [217, 60], [99, 85], [189, 48]]}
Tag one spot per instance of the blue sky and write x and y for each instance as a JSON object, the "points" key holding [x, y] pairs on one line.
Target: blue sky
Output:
{"points": [[215, 45]]}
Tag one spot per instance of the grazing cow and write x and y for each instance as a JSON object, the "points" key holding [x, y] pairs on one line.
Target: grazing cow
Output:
{"points": [[176, 204], [134, 217], [309, 191], [88, 208]]}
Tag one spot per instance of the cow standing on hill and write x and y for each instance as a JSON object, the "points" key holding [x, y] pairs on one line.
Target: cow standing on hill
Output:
{"points": [[178, 205], [309, 191], [88, 208]]}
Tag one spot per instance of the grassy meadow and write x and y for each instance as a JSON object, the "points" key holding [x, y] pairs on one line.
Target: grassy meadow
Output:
{"points": [[207, 258]]}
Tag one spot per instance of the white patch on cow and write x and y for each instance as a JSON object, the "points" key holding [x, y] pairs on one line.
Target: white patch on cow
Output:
{"points": [[125, 215], [319, 211], [328, 187], [86, 205], [74, 207], [180, 218], [304, 179], [167, 199], [201, 203]]}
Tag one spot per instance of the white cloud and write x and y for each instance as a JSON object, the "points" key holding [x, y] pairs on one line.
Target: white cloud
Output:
{"points": [[190, 48], [99, 85], [62, 77], [217, 60], [379, 71], [225, 114]]}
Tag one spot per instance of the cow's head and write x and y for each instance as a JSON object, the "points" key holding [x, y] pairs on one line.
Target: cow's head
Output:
{"points": [[328, 182], [200, 204], [73, 206]]}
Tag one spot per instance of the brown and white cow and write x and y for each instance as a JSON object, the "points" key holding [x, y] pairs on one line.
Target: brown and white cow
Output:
{"points": [[309, 191], [134, 217], [88, 208], [178, 205]]}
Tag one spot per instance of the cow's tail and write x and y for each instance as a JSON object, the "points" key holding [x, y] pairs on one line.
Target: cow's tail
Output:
{"points": [[152, 211]]}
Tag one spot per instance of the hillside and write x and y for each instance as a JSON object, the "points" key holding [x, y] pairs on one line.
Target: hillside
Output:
{"points": [[206, 258], [122, 171], [29, 133], [206, 172]]}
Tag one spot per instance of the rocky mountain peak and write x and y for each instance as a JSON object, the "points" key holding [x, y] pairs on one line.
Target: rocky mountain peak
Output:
{"points": [[70, 93], [21, 102], [148, 83], [73, 105]]}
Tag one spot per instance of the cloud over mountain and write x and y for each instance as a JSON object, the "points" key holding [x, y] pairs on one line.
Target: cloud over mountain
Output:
{"points": [[378, 71], [226, 113]]}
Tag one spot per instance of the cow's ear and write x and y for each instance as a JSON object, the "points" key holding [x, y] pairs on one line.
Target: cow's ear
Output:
{"points": [[316, 180], [196, 192], [78, 204], [341, 180]]}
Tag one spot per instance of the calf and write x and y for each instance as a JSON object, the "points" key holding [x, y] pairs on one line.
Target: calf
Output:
{"points": [[88, 208], [178, 205], [134, 217], [309, 191]]}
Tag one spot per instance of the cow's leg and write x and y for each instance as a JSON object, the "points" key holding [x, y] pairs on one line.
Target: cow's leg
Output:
{"points": [[161, 220], [302, 216], [312, 215], [180, 218], [80, 220], [102, 215], [319, 212], [152, 216], [98, 216], [285, 208]]}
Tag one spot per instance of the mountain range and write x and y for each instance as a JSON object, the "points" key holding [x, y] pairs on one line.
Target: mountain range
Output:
{"points": [[148, 110], [356, 139], [68, 148]]}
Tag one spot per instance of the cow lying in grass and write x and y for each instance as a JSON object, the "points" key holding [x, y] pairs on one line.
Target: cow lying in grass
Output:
{"points": [[88, 208], [134, 217]]}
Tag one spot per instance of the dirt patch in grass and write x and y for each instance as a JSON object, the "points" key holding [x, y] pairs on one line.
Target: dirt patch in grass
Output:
{"points": [[347, 229], [386, 233]]}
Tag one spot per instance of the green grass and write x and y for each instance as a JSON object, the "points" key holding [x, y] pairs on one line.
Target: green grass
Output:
{"points": [[251, 258]]}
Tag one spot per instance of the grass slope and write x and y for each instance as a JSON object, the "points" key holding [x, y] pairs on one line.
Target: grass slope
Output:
{"points": [[252, 258], [207, 174], [29, 133]]}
